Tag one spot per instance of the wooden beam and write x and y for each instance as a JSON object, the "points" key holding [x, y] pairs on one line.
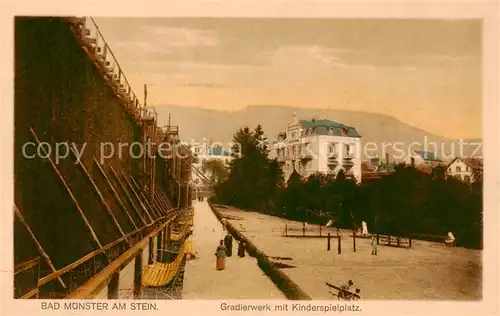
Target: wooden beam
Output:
{"points": [[38, 245], [26, 265], [87, 257], [30, 293], [143, 207], [68, 190], [116, 195], [160, 202], [144, 202], [141, 194], [160, 206], [163, 199], [95, 284], [151, 206], [101, 197], [131, 201]]}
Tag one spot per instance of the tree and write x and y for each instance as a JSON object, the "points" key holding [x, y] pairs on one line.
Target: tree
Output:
{"points": [[254, 179], [215, 169]]}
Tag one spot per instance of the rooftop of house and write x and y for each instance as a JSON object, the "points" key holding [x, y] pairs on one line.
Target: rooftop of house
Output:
{"points": [[473, 163], [366, 167], [327, 127], [427, 155], [424, 169], [386, 167]]}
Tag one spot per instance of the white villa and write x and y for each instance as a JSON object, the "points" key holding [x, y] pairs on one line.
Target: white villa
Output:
{"points": [[465, 169], [318, 145]]}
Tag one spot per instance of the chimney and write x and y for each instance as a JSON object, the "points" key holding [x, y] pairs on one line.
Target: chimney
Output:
{"points": [[386, 158]]}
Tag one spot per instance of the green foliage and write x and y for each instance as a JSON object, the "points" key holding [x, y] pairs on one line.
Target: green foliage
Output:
{"points": [[215, 168], [401, 203], [254, 180]]}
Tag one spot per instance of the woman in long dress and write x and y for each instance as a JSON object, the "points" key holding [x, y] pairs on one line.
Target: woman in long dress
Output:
{"points": [[241, 249], [220, 253]]}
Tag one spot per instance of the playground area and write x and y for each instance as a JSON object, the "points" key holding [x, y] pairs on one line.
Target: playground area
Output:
{"points": [[424, 271]]}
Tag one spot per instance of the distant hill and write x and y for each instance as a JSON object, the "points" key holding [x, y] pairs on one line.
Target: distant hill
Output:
{"points": [[199, 124]]}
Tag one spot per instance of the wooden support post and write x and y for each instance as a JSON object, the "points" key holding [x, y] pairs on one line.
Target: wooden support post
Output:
{"points": [[151, 251], [159, 246], [286, 230], [354, 239], [303, 228], [99, 194], [378, 237], [339, 245], [409, 241], [328, 244], [165, 239], [113, 286], [138, 275], [398, 242], [115, 194], [169, 235], [42, 252], [37, 277], [68, 190], [389, 239], [320, 230]]}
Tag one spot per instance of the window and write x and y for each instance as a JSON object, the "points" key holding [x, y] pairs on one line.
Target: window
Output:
{"points": [[458, 169], [330, 131], [331, 148], [467, 179], [347, 148]]}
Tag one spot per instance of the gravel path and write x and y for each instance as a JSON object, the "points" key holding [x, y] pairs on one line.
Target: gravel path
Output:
{"points": [[242, 278]]}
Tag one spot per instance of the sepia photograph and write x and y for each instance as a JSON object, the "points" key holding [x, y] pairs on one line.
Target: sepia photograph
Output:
{"points": [[247, 158]]}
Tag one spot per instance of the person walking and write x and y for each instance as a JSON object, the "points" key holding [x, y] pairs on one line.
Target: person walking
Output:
{"points": [[374, 245], [228, 242], [241, 249], [220, 253]]}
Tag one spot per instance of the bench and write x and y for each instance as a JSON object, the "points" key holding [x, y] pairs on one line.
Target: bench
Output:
{"points": [[435, 238], [394, 241], [341, 294]]}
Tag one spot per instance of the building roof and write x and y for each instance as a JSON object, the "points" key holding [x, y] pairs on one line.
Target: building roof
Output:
{"points": [[217, 151], [473, 163], [427, 155], [323, 127], [386, 167], [366, 167], [424, 169]]}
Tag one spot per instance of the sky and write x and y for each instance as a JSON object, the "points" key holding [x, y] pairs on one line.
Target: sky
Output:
{"points": [[426, 73]]}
